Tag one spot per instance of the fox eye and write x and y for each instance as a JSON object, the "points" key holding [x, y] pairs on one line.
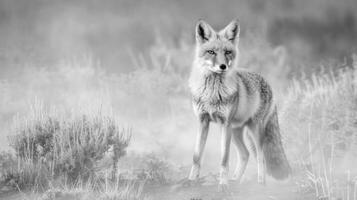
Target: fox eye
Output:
{"points": [[211, 52], [228, 52]]}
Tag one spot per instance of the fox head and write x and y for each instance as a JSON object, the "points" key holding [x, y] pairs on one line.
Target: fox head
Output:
{"points": [[217, 52]]}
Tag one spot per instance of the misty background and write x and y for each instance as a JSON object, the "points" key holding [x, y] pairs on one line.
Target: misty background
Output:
{"points": [[133, 58]]}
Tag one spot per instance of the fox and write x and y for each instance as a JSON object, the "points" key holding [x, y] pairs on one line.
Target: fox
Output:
{"points": [[240, 101]]}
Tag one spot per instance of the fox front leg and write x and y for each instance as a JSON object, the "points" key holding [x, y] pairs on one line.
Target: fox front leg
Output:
{"points": [[242, 153], [199, 147], [225, 145]]}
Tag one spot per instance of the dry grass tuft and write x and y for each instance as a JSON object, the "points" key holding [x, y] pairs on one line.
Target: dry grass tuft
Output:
{"points": [[318, 118]]}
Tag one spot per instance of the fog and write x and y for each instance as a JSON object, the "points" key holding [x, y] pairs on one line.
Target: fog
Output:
{"points": [[43, 32], [135, 57]]}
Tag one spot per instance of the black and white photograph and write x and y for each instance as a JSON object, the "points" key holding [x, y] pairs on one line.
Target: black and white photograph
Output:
{"points": [[178, 100]]}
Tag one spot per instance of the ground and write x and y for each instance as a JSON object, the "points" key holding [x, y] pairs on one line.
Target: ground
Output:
{"points": [[207, 190], [251, 190]]}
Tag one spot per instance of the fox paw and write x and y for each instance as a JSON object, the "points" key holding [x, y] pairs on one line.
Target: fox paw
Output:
{"points": [[195, 172], [261, 180], [236, 177], [223, 188], [223, 182]]}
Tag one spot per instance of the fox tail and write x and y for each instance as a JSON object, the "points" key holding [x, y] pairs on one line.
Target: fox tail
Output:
{"points": [[277, 164]]}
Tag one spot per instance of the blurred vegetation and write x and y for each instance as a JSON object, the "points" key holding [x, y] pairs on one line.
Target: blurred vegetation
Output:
{"points": [[318, 121], [43, 32], [133, 58]]}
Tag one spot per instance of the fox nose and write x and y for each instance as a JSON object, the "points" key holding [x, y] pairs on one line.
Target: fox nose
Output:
{"points": [[222, 66]]}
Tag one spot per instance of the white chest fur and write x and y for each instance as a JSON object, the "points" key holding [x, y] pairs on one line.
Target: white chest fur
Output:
{"points": [[237, 106], [215, 96], [217, 113]]}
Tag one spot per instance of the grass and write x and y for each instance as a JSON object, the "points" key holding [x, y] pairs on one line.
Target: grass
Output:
{"points": [[319, 122], [109, 190], [69, 152], [78, 153], [54, 149], [65, 151], [318, 119]]}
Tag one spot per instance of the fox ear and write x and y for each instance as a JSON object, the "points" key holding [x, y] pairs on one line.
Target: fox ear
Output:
{"points": [[203, 32], [231, 32]]}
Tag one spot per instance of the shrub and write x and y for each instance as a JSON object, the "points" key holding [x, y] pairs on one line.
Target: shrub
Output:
{"points": [[52, 146]]}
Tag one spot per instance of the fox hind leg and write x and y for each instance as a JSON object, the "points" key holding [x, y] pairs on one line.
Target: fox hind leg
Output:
{"points": [[256, 133], [242, 153]]}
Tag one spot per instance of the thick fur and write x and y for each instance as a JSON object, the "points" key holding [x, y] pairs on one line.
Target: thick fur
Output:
{"points": [[236, 99], [276, 162]]}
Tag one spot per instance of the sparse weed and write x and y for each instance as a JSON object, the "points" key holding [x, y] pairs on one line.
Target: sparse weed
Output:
{"points": [[155, 170], [151, 168], [111, 189]]}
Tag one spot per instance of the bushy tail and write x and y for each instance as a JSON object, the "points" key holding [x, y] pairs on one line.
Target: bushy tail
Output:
{"points": [[277, 164]]}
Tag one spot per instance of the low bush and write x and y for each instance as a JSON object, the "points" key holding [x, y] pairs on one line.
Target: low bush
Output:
{"points": [[52, 147]]}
